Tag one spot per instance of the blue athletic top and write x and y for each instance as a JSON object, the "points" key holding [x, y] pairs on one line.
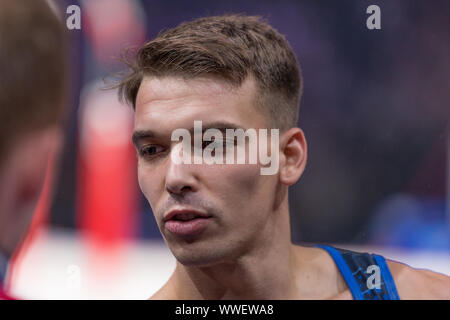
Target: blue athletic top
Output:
{"points": [[367, 275]]}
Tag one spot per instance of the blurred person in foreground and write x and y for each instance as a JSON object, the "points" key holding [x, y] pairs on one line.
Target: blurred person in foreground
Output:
{"points": [[32, 90], [227, 224]]}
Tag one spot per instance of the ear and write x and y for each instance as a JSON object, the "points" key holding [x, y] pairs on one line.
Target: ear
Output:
{"points": [[293, 155], [22, 180]]}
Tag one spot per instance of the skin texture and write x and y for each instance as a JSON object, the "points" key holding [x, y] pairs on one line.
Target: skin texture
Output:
{"points": [[245, 252], [22, 175]]}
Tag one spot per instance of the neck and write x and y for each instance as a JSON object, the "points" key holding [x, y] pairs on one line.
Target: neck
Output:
{"points": [[267, 271]]}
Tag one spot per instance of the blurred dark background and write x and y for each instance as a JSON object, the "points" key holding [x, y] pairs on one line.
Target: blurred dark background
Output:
{"points": [[375, 112]]}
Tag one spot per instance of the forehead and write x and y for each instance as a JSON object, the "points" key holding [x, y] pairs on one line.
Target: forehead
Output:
{"points": [[170, 102]]}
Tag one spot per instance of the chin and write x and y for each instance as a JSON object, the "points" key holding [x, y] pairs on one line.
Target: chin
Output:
{"points": [[196, 257]]}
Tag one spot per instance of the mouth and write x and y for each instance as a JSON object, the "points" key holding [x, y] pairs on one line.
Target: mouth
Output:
{"points": [[186, 222]]}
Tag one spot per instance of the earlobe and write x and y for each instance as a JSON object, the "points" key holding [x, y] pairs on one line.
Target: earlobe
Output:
{"points": [[294, 155]]}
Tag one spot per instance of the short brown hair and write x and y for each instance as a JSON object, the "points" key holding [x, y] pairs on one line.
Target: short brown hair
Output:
{"points": [[229, 47], [32, 68]]}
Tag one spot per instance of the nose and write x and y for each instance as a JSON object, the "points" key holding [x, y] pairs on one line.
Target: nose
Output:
{"points": [[180, 178]]}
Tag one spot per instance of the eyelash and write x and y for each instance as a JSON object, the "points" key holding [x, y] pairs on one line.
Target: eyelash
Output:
{"points": [[144, 149], [224, 142]]}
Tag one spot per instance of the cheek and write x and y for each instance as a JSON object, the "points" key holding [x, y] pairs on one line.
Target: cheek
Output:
{"points": [[141, 178], [149, 182], [237, 186]]}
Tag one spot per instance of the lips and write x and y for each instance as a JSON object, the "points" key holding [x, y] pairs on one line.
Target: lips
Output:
{"points": [[186, 222], [185, 215]]}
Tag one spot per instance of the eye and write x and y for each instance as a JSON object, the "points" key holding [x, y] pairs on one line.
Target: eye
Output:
{"points": [[230, 143], [150, 151], [223, 142], [206, 143]]}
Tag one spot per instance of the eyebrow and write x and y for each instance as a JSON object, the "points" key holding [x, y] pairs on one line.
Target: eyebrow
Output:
{"points": [[139, 135]]}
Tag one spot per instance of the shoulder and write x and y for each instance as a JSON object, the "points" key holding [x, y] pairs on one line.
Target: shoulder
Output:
{"points": [[159, 295], [166, 292], [415, 283], [162, 294], [323, 278]]}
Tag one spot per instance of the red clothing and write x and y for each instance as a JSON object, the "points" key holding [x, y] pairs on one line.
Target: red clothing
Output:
{"points": [[4, 295]]}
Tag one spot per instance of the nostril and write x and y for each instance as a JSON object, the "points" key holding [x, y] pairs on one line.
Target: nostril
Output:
{"points": [[177, 190], [186, 188]]}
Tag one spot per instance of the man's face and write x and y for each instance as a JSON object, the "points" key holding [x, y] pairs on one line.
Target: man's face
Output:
{"points": [[236, 199]]}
